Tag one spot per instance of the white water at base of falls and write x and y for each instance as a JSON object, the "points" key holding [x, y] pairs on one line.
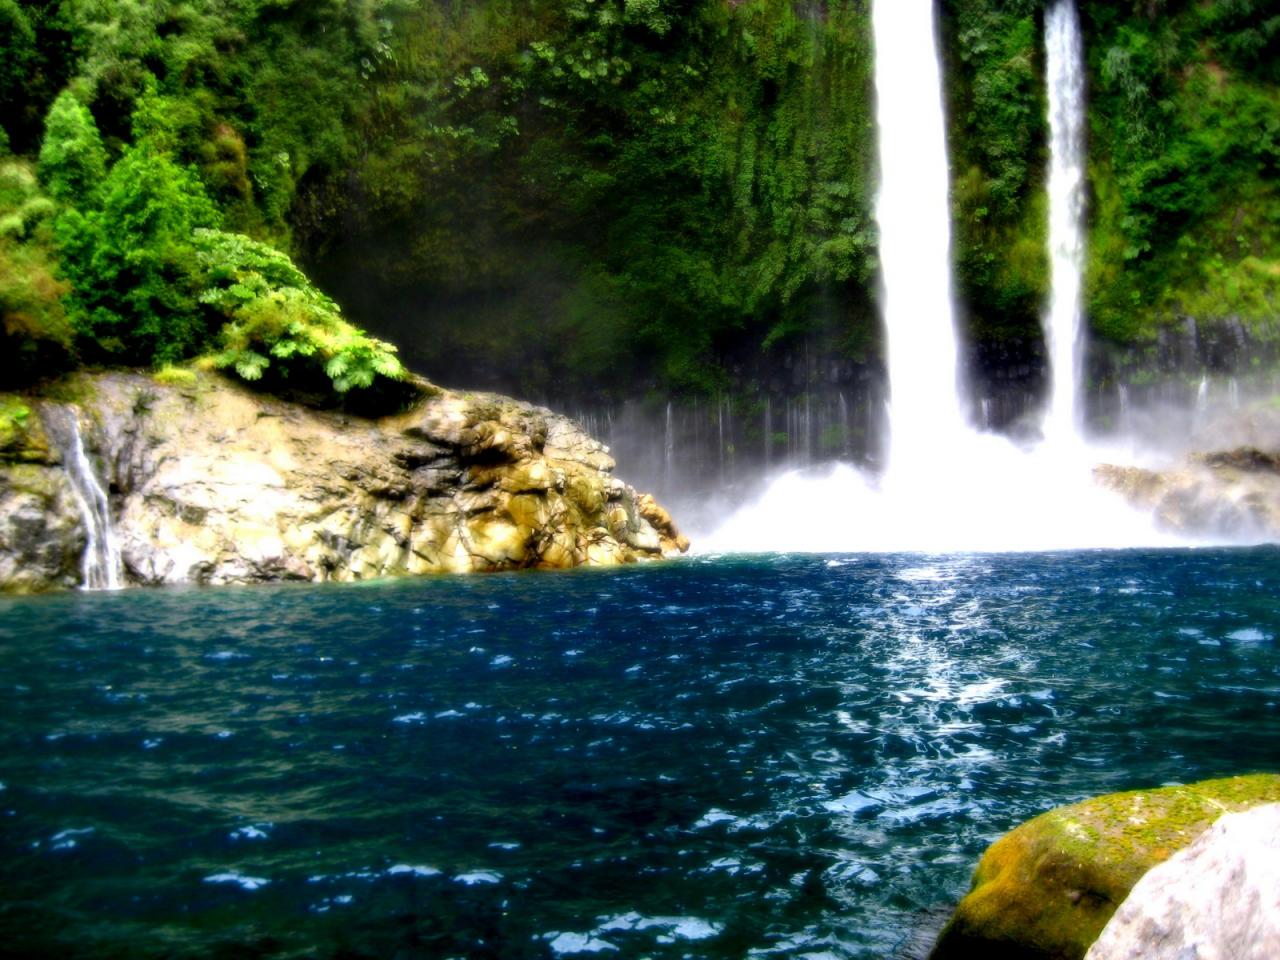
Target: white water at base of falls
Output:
{"points": [[1064, 58], [947, 487], [997, 498], [101, 567]]}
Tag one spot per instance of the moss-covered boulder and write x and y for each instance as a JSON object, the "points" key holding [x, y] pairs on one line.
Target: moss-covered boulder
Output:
{"points": [[1045, 890]]}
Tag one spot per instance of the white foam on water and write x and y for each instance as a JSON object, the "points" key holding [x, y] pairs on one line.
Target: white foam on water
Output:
{"points": [[412, 869], [478, 878], [983, 495], [567, 944], [239, 879]]}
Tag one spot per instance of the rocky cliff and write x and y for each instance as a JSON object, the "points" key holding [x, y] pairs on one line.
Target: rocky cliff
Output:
{"points": [[208, 482], [1231, 494]]}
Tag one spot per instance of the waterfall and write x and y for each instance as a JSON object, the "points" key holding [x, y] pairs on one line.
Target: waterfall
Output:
{"points": [[668, 449], [946, 487], [101, 566], [913, 211], [1063, 320], [768, 433]]}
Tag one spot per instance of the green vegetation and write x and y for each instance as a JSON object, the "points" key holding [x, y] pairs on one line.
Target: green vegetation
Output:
{"points": [[1185, 140], [273, 313], [592, 195], [999, 155], [650, 188], [34, 333], [115, 256], [14, 415]]}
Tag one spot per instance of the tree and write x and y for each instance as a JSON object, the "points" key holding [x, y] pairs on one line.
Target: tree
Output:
{"points": [[73, 161], [131, 262]]}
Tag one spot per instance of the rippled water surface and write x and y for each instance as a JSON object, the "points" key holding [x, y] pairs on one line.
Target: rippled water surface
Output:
{"points": [[788, 756]]}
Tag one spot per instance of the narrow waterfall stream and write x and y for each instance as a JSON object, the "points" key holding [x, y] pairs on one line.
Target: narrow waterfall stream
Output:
{"points": [[101, 567], [1064, 319], [949, 487]]}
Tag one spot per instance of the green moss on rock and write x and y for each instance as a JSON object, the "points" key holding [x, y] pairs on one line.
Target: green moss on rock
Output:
{"points": [[22, 438], [1046, 889]]}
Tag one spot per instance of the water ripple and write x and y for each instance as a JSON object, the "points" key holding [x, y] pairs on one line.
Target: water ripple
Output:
{"points": [[769, 757]]}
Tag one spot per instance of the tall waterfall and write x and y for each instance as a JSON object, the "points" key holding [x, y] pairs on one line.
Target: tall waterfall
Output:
{"points": [[101, 567], [913, 212], [947, 487], [1063, 320]]}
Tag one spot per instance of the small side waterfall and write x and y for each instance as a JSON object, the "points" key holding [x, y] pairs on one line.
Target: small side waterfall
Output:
{"points": [[1063, 320], [101, 566]]}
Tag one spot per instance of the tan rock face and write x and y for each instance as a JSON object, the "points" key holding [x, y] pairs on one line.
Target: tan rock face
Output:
{"points": [[1232, 494], [216, 484]]}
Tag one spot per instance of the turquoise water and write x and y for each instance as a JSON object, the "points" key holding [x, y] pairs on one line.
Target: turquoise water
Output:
{"points": [[773, 757]]}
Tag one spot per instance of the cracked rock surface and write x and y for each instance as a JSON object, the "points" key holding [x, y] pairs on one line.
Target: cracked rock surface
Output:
{"points": [[214, 483]]}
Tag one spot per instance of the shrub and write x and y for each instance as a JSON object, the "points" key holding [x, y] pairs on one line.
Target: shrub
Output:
{"points": [[34, 334], [131, 263], [275, 319]]}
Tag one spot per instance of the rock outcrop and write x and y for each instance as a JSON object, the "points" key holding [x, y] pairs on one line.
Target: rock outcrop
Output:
{"points": [[1219, 899], [213, 483], [1045, 890], [1232, 494]]}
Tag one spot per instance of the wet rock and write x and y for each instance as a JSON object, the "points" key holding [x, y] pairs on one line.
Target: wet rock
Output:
{"points": [[1045, 890], [1232, 494], [1219, 899], [218, 484]]}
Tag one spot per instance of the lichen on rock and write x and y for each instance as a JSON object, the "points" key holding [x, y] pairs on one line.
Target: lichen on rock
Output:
{"points": [[1045, 890]]}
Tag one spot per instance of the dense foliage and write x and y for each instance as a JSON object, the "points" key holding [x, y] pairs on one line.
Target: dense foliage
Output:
{"points": [[655, 189], [998, 152], [34, 333], [591, 195], [133, 188], [1185, 127]]}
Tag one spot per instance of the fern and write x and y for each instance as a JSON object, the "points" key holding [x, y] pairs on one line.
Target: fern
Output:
{"points": [[275, 316]]}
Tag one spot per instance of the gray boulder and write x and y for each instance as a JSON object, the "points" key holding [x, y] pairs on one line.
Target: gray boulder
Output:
{"points": [[1217, 899]]}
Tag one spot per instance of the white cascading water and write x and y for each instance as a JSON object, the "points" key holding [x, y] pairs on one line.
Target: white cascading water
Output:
{"points": [[101, 567], [913, 211], [947, 487], [1064, 56]]}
